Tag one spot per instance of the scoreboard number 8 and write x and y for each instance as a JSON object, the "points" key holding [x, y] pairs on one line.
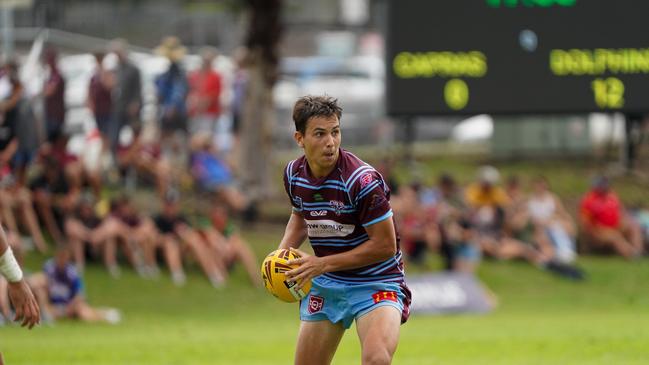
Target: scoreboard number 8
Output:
{"points": [[608, 93], [456, 94]]}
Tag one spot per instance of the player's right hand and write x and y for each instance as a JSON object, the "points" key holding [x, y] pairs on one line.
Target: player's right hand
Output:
{"points": [[25, 304]]}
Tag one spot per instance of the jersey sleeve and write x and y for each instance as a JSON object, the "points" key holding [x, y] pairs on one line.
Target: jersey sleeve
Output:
{"points": [[296, 202], [370, 196]]}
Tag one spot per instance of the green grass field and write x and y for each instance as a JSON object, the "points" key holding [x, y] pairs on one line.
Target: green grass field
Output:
{"points": [[541, 320]]}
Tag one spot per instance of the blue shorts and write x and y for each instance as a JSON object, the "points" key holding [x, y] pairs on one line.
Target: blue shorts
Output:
{"points": [[339, 302]]}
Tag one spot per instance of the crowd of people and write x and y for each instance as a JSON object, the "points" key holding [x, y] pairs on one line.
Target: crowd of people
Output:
{"points": [[56, 201], [512, 222]]}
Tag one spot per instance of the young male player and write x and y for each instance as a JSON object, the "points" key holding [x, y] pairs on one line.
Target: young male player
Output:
{"points": [[342, 205], [20, 294]]}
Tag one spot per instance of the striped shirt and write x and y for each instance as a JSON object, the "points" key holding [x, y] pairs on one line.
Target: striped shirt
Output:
{"points": [[336, 210]]}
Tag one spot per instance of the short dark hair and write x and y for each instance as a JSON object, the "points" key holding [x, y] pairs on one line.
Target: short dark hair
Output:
{"points": [[311, 106]]}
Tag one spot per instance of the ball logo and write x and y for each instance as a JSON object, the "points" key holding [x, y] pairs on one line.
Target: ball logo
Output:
{"points": [[315, 303]]}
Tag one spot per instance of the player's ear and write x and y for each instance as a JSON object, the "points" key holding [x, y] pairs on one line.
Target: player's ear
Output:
{"points": [[299, 138]]}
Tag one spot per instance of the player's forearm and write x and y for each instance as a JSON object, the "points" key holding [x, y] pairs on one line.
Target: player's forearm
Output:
{"points": [[295, 232], [370, 252]]}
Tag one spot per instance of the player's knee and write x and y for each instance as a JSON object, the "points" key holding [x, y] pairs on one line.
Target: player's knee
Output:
{"points": [[377, 357]]}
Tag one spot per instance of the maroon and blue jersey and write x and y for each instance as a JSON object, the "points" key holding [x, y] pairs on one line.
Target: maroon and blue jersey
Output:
{"points": [[336, 210]]}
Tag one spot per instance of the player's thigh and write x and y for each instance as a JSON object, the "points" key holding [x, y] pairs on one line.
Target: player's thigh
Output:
{"points": [[378, 331], [317, 342]]}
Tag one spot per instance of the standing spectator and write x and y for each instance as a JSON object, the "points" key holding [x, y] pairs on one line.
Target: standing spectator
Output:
{"points": [[54, 92], [605, 223], [204, 97], [239, 89], [126, 98], [172, 88], [100, 99]]}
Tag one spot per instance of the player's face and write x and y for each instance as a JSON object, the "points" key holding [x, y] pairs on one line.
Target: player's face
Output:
{"points": [[321, 142]]}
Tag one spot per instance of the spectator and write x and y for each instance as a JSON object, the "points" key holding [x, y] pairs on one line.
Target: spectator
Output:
{"points": [[204, 100], [141, 229], [172, 89], [227, 245], [213, 175], [143, 155], [605, 223], [126, 97], [100, 99], [459, 243], [54, 92], [552, 223], [487, 206], [239, 88], [419, 232], [53, 197], [176, 234], [84, 227], [59, 290]]}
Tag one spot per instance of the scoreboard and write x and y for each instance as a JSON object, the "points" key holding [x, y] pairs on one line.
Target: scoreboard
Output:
{"points": [[517, 56]]}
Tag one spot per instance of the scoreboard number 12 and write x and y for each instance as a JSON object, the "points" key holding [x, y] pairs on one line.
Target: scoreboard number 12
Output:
{"points": [[608, 93]]}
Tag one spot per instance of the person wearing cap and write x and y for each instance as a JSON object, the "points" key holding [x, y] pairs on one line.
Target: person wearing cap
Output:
{"points": [[172, 88], [605, 224]]}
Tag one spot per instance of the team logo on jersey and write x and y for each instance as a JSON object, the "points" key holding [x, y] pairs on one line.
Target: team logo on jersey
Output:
{"points": [[318, 197], [298, 202], [366, 180], [337, 205], [380, 296], [315, 303]]}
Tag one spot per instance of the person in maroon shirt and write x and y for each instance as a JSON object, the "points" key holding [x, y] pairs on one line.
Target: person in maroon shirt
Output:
{"points": [[99, 98], [342, 205], [54, 92], [605, 223]]}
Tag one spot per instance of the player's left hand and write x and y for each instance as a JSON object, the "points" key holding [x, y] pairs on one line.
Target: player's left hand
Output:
{"points": [[25, 304], [310, 267]]}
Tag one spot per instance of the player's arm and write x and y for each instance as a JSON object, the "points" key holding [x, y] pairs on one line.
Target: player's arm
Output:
{"points": [[295, 232], [382, 245], [19, 293]]}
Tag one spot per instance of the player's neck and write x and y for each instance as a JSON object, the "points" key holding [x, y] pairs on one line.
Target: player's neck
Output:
{"points": [[320, 172]]}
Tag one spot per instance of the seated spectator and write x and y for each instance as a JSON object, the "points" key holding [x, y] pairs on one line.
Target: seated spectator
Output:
{"points": [[59, 291], [53, 198], [176, 234], [16, 202], [228, 246], [459, 243], [213, 175], [137, 153], [487, 207], [553, 226], [84, 228], [141, 229], [606, 225], [418, 229]]}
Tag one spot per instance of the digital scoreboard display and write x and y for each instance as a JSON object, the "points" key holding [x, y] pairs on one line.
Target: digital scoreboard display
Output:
{"points": [[517, 56]]}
